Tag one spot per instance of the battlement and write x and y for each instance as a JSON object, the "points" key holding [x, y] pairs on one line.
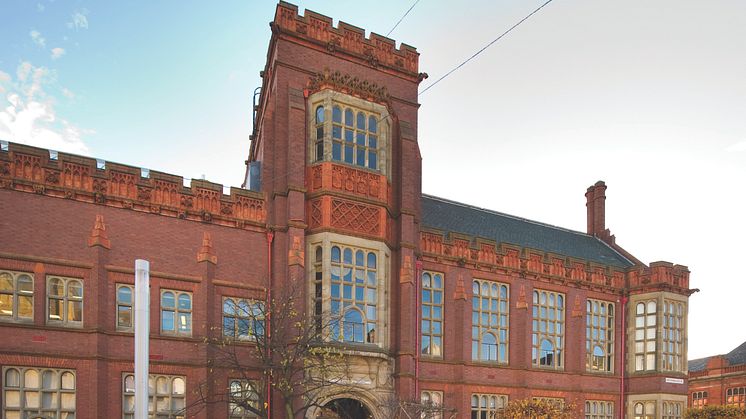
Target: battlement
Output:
{"points": [[376, 50], [660, 273], [46, 172]]}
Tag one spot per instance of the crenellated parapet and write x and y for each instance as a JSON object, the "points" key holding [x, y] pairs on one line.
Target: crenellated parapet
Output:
{"points": [[660, 276], [376, 50], [485, 255], [35, 170]]}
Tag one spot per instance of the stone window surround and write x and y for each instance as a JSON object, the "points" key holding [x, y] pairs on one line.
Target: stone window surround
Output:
{"points": [[610, 318], [657, 398], [658, 296], [15, 297], [326, 241], [327, 98]]}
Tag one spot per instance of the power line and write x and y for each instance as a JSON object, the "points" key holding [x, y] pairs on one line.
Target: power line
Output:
{"points": [[484, 48], [402, 18]]}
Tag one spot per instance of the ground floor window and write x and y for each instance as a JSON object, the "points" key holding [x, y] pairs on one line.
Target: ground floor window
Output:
{"points": [[644, 410], [736, 397], [596, 409], [699, 399], [672, 410], [486, 406], [166, 396], [32, 392], [432, 404], [243, 400]]}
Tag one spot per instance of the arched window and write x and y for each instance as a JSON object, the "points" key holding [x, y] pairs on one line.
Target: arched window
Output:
{"points": [[354, 283], [319, 137], [548, 329], [16, 296], [31, 392], [596, 409], [125, 305], [599, 335], [672, 351], [645, 335], [65, 301], [353, 326], [489, 316], [355, 132], [645, 410], [176, 313], [166, 396], [431, 329]]}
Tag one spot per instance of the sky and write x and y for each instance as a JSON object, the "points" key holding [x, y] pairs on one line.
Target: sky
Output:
{"points": [[648, 96]]}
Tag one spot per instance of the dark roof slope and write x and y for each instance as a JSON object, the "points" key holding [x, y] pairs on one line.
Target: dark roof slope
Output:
{"points": [[449, 216], [698, 364], [734, 357], [737, 356]]}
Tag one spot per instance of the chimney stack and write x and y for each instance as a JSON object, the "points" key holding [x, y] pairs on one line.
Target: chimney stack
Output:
{"points": [[596, 206]]}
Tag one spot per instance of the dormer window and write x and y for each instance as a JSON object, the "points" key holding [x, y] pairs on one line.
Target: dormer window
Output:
{"points": [[349, 130]]}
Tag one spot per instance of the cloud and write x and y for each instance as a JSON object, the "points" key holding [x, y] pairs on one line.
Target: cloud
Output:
{"points": [[79, 20], [57, 53], [28, 115], [67, 93], [37, 38], [40, 7], [739, 146]]}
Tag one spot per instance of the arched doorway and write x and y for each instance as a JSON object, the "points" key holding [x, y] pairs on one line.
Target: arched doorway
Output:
{"points": [[345, 409]]}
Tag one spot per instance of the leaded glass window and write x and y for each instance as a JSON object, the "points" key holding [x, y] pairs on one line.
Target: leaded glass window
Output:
{"points": [[487, 406], [65, 301], [166, 396], [548, 329], [672, 351], [599, 336], [432, 314], [645, 335], [736, 396], [644, 410], [16, 296], [38, 392], [672, 410], [597, 409], [489, 321], [354, 294]]}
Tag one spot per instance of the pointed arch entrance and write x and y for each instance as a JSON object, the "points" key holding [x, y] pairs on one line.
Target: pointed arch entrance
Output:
{"points": [[345, 408]]}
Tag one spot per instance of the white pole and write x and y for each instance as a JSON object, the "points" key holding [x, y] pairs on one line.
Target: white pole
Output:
{"points": [[142, 333]]}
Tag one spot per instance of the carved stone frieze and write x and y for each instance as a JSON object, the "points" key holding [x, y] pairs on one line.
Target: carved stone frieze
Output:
{"points": [[350, 85]]}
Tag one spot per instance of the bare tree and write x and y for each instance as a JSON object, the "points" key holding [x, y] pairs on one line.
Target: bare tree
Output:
{"points": [[538, 409], [279, 349]]}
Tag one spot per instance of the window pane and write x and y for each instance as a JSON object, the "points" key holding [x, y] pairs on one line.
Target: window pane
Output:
{"points": [[168, 300], [372, 124], [167, 321], [25, 284], [337, 115], [319, 114], [185, 302], [74, 311], [124, 295]]}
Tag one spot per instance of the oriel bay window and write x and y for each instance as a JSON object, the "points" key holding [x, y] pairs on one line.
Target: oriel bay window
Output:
{"points": [[489, 321], [354, 292], [348, 130], [599, 336], [346, 292], [548, 329], [672, 351]]}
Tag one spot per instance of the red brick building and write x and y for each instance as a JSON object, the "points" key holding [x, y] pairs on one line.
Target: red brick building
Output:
{"points": [[719, 380], [437, 300]]}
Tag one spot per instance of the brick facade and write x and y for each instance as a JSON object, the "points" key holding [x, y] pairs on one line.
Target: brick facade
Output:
{"points": [[80, 218]]}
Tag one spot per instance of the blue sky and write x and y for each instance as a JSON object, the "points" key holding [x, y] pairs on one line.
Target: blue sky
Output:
{"points": [[648, 96]]}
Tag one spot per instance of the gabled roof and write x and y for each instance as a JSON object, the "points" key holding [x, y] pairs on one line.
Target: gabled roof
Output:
{"points": [[734, 357], [450, 216]]}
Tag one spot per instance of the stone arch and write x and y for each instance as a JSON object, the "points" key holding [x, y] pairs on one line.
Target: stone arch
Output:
{"points": [[368, 401]]}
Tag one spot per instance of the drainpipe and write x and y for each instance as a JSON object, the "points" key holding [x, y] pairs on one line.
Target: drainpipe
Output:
{"points": [[418, 339], [623, 365], [268, 319]]}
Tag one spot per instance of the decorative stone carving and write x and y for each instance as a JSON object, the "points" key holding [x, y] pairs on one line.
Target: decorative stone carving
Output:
{"points": [[356, 217], [350, 85]]}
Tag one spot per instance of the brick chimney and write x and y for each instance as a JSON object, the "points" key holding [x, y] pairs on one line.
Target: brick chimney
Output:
{"points": [[596, 206]]}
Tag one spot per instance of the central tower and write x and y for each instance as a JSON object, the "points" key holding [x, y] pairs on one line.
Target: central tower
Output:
{"points": [[335, 142]]}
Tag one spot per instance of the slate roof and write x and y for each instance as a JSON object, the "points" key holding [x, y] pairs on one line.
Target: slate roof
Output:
{"points": [[450, 216], [734, 357]]}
